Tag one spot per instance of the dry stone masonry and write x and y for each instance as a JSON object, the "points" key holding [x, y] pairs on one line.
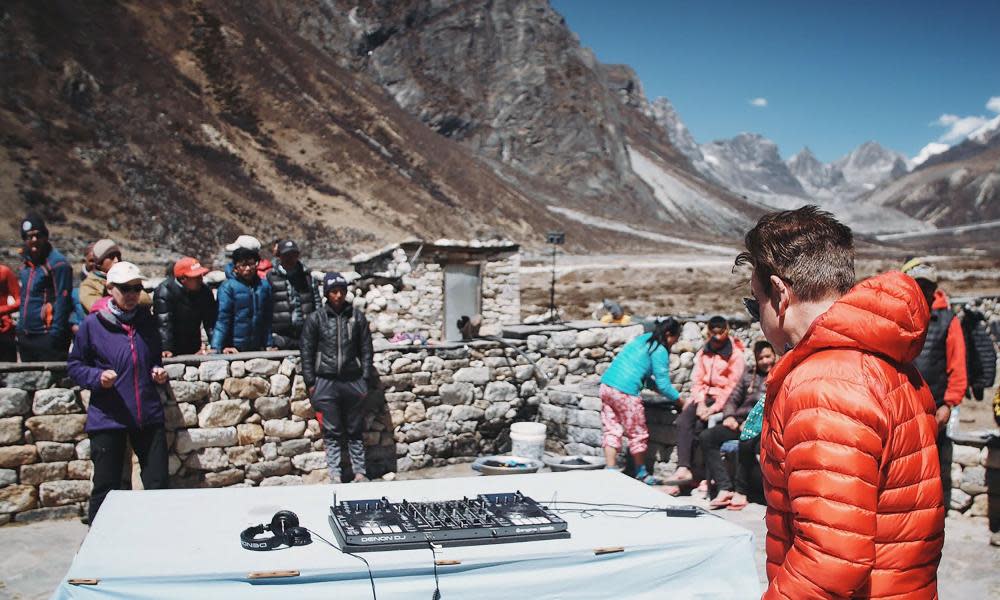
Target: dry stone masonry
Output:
{"points": [[245, 420]]}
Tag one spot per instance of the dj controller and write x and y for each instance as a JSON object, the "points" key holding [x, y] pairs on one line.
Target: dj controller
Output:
{"points": [[368, 525]]}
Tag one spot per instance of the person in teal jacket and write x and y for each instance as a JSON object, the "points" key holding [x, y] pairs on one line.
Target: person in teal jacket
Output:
{"points": [[622, 412]]}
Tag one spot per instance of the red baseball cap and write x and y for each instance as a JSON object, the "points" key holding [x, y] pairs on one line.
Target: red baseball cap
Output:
{"points": [[189, 267]]}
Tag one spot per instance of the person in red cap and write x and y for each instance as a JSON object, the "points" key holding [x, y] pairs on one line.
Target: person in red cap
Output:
{"points": [[183, 305]]}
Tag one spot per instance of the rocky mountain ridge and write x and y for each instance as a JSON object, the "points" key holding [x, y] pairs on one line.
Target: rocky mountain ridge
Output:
{"points": [[343, 124]]}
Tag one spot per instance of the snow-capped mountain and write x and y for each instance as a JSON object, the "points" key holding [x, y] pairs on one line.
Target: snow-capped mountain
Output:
{"points": [[869, 166], [814, 175], [750, 164]]}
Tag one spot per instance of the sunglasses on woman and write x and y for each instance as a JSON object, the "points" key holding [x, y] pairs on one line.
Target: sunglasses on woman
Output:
{"points": [[129, 289], [753, 307]]}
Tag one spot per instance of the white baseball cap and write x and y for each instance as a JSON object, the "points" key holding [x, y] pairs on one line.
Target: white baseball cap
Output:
{"points": [[244, 241], [124, 272]]}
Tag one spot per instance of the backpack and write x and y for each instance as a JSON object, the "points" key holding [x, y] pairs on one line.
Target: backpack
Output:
{"points": [[980, 354]]}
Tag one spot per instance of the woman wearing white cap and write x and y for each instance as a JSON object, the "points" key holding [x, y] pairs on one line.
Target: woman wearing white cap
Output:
{"points": [[116, 355]]}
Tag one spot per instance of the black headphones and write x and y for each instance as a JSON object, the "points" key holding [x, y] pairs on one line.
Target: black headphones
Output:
{"points": [[285, 527]]}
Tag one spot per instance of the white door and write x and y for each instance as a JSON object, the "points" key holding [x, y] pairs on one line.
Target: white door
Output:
{"points": [[461, 297]]}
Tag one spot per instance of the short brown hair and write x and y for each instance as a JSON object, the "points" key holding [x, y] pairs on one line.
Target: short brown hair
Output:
{"points": [[807, 247]]}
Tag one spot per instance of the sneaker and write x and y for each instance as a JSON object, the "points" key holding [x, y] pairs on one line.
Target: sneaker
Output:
{"points": [[650, 480], [360, 477]]}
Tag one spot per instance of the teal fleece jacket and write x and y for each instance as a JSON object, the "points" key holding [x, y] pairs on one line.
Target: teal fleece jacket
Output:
{"points": [[635, 363]]}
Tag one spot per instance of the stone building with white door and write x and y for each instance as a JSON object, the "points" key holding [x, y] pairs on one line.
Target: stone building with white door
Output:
{"points": [[422, 288]]}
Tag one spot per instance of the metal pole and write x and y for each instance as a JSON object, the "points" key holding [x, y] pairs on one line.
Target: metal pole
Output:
{"points": [[552, 288]]}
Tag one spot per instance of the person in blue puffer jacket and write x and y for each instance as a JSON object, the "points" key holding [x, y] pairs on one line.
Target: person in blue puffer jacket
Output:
{"points": [[622, 412], [245, 307]]}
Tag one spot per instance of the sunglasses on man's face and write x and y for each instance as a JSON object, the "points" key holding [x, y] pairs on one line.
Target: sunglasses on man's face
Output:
{"points": [[753, 307], [130, 289]]}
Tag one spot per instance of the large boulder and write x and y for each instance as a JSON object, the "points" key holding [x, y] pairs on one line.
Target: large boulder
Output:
{"points": [[56, 451], [500, 391], [11, 430], [457, 393], [248, 388], [310, 461], [223, 413], [272, 407], [473, 375], [207, 459], [190, 391], [262, 366], [284, 428], [14, 402], [29, 380], [54, 401], [269, 468], [213, 370], [41, 472], [187, 440], [57, 428], [18, 498], [61, 493]]}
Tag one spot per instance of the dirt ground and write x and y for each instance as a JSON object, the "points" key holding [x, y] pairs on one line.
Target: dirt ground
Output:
{"points": [[696, 284]]}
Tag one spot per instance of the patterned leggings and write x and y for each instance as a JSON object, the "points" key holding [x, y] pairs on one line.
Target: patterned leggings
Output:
{"points": [[622, 414]]}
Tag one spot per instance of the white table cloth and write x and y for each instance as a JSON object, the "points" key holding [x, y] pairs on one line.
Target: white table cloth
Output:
{"points": [[185, 544]]}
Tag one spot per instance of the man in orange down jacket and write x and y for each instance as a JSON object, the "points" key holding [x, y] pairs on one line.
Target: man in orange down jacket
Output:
{"points": [[848, 446]]}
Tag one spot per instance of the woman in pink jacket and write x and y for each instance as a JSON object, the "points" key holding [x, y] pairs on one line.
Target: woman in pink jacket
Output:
{"points": [[718, 367]]}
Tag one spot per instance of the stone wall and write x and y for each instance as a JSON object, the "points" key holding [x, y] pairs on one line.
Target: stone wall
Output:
{"points": [[245, 420], [402, 297]]}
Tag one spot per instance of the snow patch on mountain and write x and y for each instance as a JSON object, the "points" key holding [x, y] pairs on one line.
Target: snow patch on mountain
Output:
{"points": [[683, 202]]}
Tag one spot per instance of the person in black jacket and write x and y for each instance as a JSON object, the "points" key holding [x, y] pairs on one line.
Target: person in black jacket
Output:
{"points": [[295, 296], [338, 369], [183, 305]]}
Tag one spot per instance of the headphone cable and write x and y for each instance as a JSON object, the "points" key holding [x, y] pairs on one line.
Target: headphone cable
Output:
{"points": [[371, 578]]}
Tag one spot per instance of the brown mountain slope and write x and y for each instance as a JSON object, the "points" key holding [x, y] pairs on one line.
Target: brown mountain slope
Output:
{"points": [[175, 126]]}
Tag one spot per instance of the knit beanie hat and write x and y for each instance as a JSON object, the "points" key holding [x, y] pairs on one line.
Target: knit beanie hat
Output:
{"points": [[33, 222]]}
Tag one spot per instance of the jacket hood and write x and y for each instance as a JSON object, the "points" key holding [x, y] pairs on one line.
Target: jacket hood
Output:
{"points": [[940, 300], [884, 315]]}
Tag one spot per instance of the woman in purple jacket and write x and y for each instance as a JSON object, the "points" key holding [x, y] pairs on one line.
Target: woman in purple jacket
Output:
{"points": [[116, 355]]}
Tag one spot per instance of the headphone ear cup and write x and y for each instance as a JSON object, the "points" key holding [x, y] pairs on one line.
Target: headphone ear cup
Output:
{"points": [[298, 536], [282, 521]]}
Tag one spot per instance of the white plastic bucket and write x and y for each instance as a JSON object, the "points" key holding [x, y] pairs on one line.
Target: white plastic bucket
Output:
{"points": [[527, 440]]}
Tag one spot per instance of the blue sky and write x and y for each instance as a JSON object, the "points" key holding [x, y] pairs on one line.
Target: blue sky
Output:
{"points": [[834, 74]]}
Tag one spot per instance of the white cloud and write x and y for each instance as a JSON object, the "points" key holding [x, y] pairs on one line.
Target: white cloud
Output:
{"points": [[762, 102], [928, 151], [959, 128]]}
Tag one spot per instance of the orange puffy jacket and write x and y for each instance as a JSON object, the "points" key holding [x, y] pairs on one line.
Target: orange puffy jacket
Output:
{"points": [[849, 455]]}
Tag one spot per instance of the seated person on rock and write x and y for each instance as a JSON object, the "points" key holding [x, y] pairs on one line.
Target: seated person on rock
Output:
{"points": [[744, 398], [614, 314], [718, 367], [622, 412]]}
